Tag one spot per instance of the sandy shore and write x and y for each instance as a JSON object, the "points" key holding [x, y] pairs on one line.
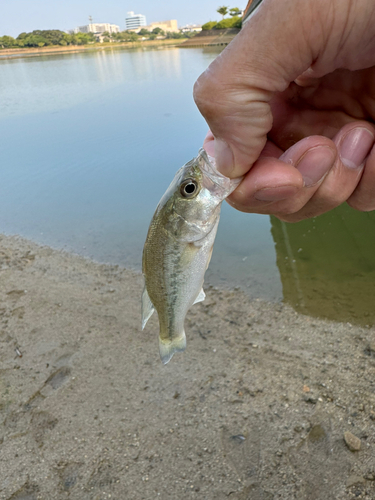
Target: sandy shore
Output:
{"points": [[255, 409]]}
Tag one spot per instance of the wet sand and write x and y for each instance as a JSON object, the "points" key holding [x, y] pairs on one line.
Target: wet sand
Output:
{"points": [[257, 407]]}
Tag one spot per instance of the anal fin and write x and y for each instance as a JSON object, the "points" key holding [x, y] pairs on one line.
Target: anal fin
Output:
{"points": [[147, 307], [201, 296]]}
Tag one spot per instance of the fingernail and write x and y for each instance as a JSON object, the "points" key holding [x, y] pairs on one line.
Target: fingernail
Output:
{"points": [[223, 157], [355, 146], [315, 164]]}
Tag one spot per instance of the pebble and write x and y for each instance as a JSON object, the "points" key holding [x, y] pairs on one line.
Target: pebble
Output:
{"points": [[310, 399], [352, 441], [352, 480]]}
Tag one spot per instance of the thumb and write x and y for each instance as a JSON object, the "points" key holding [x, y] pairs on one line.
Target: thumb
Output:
{"points": [[274, 47]]}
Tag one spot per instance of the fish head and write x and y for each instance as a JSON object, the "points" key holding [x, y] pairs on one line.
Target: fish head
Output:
{"points": [[191, 205]]}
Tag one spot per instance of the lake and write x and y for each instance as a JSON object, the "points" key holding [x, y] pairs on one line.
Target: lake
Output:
{"points": [[89, 143]]}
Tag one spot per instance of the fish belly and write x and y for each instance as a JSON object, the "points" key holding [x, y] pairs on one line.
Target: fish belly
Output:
{"points": [[185, 266]]}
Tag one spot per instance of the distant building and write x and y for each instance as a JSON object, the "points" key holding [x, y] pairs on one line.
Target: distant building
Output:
{"points": [[134, 21], [191, 28], [97, 28], [166, 26]]}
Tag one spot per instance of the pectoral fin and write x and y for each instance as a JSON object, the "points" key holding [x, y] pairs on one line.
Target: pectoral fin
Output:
{"points": [[201, 296], [147, 307]]}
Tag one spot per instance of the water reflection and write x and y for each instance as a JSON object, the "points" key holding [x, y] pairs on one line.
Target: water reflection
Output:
{"points": [[327, 264], [53, 82], [146, 64]]}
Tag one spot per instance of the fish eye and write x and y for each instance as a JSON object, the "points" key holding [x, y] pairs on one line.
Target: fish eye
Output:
{"points": [[189, 188]]}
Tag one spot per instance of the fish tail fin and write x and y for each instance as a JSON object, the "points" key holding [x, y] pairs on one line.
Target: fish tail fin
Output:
{"points": [[168, 347]]}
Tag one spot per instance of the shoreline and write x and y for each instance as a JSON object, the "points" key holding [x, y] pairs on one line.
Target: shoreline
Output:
{"points": [[257, 406], [34, 51]]}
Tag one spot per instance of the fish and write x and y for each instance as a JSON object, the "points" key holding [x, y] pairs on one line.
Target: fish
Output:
{"points": [[178, 248]]}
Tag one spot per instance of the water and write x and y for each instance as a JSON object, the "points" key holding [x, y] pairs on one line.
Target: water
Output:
{"points": [[327, 264], [90, 141]]}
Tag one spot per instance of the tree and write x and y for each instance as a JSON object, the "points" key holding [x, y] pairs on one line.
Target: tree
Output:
{"points": [[35, 40], [41, 38], [223, 11], [209, 25], [234, 12], [82, 38], [50, 37], [132, 37], [125, 36], [67, 39], [234, 22], [158, 31], [7, 41], [53, 37], [173, 34], [237, 22], [143, 32]]}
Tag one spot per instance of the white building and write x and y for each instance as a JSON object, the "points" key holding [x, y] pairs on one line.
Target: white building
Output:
{"points": [[189, 28], [134, 21], [97, 28]]}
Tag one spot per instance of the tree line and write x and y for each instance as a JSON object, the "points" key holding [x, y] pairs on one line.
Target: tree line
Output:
{"points": [[44, 38], [234, 21], [130, 36]]}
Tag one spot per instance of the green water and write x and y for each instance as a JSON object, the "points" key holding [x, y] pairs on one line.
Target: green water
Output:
{"points": [[327, 265]]}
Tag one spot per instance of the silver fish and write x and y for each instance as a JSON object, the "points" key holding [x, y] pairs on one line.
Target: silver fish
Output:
{"points": [[178, 248]]}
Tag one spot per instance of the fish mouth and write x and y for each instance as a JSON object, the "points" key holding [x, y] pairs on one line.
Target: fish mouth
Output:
{"points": [[207, 164]]}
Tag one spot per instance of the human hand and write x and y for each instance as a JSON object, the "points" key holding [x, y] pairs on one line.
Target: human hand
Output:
{"points": [[290, 104]]}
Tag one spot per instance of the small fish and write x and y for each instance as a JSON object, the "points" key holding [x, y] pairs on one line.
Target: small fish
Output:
{"points": [[178, 248]]}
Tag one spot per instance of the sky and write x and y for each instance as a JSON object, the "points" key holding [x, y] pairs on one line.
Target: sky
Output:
{"points": [[18, 16]]}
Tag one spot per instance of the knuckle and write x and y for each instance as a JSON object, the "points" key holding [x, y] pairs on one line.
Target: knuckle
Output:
{"points": [[203, 91]]}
